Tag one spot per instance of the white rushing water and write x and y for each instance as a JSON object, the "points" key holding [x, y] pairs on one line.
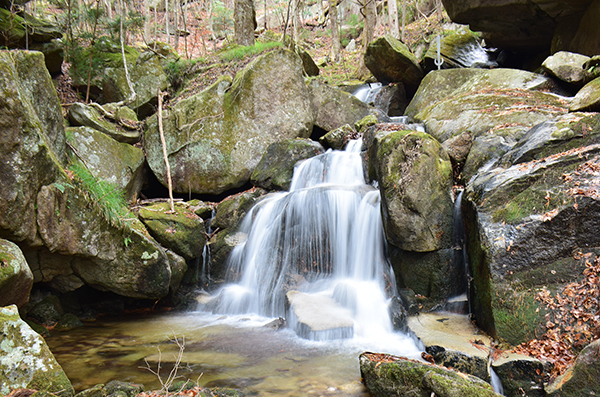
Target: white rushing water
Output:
{"points": [[324, 238]]}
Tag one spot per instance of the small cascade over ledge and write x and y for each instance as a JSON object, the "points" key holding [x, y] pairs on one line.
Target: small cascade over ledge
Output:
{"points": [[316, 254]]}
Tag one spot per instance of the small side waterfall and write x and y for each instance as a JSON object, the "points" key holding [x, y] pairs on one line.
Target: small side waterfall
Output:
{"points": [[323, 237]]}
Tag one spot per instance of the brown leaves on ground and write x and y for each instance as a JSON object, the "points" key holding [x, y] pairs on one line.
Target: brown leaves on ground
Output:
{"points": [[573, 320]]}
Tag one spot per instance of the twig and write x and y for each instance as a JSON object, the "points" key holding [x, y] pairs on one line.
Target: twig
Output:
{"points": [[164, 148]]}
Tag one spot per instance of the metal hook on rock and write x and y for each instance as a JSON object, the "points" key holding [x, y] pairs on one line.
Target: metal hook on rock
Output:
{"points": [[439, 60]]}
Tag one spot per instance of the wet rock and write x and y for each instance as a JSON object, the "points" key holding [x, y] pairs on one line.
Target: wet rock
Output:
{"points": [[318, 317], [114, 162], [588, 98], [520, 375], [181, 231], [415, 180], [124, 389], [47, 311], [88, 116], [385, 375], [217, 137], [391, 61], [33, 139], [391, 99], [232, 210], [581, 379], [16, 278], [472, 365], [338, 138], [459, 146], [334, 108], [460, 49], [276, 324], [276, 167], [398, 314], [568, 67], [68, 321], [26, 361]]}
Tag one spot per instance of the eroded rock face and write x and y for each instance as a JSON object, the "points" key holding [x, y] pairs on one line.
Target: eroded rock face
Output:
{"points": [[32, 140], [16, 278], [26, 361], [216, 138], [83, 115], [415, 180]]}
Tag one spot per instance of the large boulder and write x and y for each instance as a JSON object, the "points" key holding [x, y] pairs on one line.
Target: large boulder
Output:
{"points": [[108, 160], [581, 379], [391, 61], [26, 361], [276, 167], [568, 67], [181, 231], [588, 98], [107, 253], [16, 278], [216, 138], [147, 78], [334, 108], [32, 142], [525, 217], [386, 375], [415, 179]]}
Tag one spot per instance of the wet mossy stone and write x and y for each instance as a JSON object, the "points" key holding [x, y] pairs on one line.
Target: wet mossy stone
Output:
{"points": [[16, 278], [232, 210], [338, 138], [391, 61], [276, 167], [181, 231], [216, 138], [26, 360], [334, 108], [33, 139], [126, 389], [415, 180], [472, 365], [385, 376], [581, 379]]}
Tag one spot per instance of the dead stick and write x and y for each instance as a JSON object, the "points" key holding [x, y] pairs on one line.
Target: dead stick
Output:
{"points": [[164, 148]]}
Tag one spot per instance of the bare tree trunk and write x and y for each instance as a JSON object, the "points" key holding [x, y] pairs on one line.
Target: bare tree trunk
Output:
{"points": [[176, 24], [335, 31], [164, 149], [210, 20], [244, 17], [393, 14], [297, 5], [146, 16], [403, 20], [265, 4], [133, 95], [370, 13], [185, 40], [167, 21]]}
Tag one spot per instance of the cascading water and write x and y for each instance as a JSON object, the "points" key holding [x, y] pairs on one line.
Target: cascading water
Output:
{"points": [[324, 237]]}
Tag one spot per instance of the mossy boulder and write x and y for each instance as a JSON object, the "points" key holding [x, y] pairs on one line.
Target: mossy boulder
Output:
{"points": [[32, 141], [232, 210], [415, 180], [276, 167], [216, 138], [525, 217], [111, 254], [181, 231], [386, 375], [26, 361], [338, 138], [581, 379], [391, 61], [334, 108], [16, 278], [84, 115], [12, 29], [588, 98], [108, 160], [147, 77], [568, 67]]}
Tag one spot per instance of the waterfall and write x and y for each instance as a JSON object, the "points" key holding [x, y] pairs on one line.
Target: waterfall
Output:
{"points": [[324, 238]]}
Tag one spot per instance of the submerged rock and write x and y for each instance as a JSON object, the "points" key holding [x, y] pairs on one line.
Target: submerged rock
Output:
{"points": [[16, 278], [26, 360], [217, 137]]}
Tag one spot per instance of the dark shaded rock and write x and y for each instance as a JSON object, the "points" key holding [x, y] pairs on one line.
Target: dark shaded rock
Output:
{"points": [[391, 99], [276, 167], [398, 314], [68, 321], [472, 365], [308, 64], [520, 375], [334, 108], [391, 61], [581, 379], [48, 311], [16, 278], [338, 138]]}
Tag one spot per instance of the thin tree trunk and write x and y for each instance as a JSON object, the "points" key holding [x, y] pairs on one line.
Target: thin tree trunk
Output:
{"points": [[164, 150], [297, 4], [335, 31], [167, 21], [176, 15], [403, 20], [266, 27], [185, 39], [133, 95], [210, 20], [393, 14], [146, 16], [244, 16]]}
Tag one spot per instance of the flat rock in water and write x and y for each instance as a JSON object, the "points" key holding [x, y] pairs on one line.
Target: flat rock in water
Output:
{"points": [[319, 317]]}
